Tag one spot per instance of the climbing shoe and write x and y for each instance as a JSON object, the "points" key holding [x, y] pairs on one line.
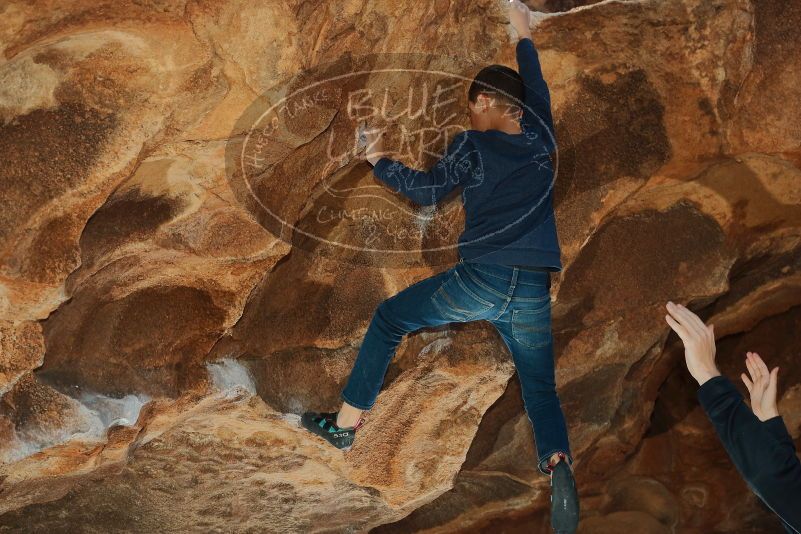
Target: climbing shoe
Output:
{"points": [[564, 498], [324, 424]]}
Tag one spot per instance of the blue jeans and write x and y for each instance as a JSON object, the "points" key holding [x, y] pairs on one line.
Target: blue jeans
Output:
{"points": [[515, 300]]}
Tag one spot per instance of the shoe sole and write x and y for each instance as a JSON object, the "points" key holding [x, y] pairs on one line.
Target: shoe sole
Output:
{"points": [[564, 500]]}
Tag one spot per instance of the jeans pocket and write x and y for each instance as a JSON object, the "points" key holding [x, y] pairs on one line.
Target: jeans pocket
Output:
{"points": [[532, 327], [456, 302]]}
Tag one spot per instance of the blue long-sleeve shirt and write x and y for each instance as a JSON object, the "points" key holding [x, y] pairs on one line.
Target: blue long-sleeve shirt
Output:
{"points": [[763, 452], [506, 181]]}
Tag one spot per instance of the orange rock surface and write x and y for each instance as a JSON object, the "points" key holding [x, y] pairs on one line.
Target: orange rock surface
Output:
{"points": [[135, 250]]}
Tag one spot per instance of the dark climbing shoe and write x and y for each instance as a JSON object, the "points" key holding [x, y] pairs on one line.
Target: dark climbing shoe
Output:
{"points": [[324, 424], [564, 498]]}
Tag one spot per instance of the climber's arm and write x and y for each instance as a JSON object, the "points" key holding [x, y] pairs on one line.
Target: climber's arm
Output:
{"points": [[537, 109], [427, 187]]}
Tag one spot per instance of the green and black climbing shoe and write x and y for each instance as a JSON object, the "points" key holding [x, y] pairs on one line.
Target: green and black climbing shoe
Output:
{"points": [[564, 498], [324, 424]]}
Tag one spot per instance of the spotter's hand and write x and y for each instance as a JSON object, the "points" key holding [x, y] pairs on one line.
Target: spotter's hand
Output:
{"points": [[762, 386], [698, 339]]}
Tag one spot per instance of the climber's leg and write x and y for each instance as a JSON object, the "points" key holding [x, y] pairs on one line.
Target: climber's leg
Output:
{"points": [[348, 416], [527, 334], [525, 327], [444, 298], [523, 320]]}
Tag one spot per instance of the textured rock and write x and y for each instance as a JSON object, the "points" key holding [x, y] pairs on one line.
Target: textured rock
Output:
{"points": [[133, 253], [167, 253], [255, 466], [22, 349]]}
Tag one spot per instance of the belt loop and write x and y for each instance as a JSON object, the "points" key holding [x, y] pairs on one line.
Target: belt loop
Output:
{"points": [[515, 270]]}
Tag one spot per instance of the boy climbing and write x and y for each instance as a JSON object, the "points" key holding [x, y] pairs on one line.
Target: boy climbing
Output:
{"points": [[507, 251]]}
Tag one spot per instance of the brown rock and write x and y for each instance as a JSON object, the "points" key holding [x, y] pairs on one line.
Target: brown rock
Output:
{"points": [[132, 253], [617, 522], [21, 349]]}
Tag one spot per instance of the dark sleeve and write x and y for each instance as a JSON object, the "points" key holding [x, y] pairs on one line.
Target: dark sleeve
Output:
{"points": [[456, 167], [537, 110], [763, 452]]}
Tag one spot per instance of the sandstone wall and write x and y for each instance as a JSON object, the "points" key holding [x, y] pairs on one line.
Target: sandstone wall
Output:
{"points": [[131, 257]]}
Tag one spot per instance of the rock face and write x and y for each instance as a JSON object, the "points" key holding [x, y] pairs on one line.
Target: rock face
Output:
{"points": [[135, 248]]}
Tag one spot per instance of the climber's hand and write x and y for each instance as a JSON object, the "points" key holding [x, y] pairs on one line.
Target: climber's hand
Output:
{"points": [[375, 145], [698, 339], [520, 18], [762, 386]]}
